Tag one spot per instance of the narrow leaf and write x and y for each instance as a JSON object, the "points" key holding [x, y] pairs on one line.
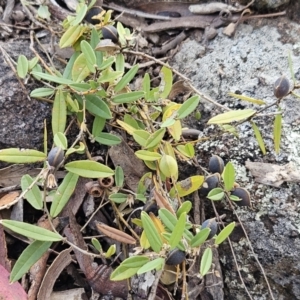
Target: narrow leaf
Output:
{"points": [[248, 99], [21, 156], [28, 258], [206, 261], [259, 138], [147, 155], [59, 112], [277, 132], [126, 78], [229, 176], [123, 272], [135, 261], [224, 234], [178, 231], [166, 81], [119, 176], [31, 231], [52, 78], [151, 232], [89, 55], [72, 34], [108, 139], [232, 116], [41, 92], [63, 194], [200, 237], [128, 97], [80, 68]]}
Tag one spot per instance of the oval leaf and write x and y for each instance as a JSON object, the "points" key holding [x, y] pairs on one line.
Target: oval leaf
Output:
{"points": [[229, 176], [147, 155], [206, 261], [107, 139], [22, 66], [59, 112], [128, 97], [188, 107], [89, 169], [34, 195], [224, 234], [156, 264]]}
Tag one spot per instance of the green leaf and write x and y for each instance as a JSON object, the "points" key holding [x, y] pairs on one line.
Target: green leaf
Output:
{"points": [[119, 176], [144, 183], [111, 251], [232, 116], [185, 207], [259, 138], [200, 237], [216, 194], [168, 166], [229, 176], [107, 63], [123, 272], [98, 125], [206, 261], [80, 14], [126, 78], [98, 107], [188, 107], [21, 156], [89, 55], [151, 232], [169, 122], [97, 245], [147, 155], [135, 261], [118, 197], [141, 137], [59, 112], [120, 63], [31, 231], [60, 140], [28, 258], [41, 92], [178, 231], [224, 234], [80, 68], [89, 169], [68, 69], [63, 194], [43, 12], [155, 138], [32, 63], [51, 78], [72, 34], [108, 139], [128, 97], [277, 132], [166, 82], [187, 150], [156, 264], [34, 195], [22, 66], [248, 99], [128, 119]]}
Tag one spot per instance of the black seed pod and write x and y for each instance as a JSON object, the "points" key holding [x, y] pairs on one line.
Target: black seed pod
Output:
{"points": [[212, 224], [175, 257], [244, 195], [151, 206], [110, 32], [56, 157], [281, 87], [216, 164], [94, 11], [210, 183]]}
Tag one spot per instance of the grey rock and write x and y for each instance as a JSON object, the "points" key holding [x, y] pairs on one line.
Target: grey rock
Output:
{"points": [[249, 64]]}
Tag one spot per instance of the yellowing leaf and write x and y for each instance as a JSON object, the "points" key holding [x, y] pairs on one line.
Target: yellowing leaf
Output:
{"points": [[187, 186], [232, 116], [147, 155], [80, 69], [166, 81], [21, 156], [248, 99], [126, 126], [71, 36], [277, 132], [175, 130]]}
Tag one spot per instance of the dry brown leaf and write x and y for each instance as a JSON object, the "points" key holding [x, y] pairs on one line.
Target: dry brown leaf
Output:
{"points": [[162, 202], [5, 201], [115, 234]]}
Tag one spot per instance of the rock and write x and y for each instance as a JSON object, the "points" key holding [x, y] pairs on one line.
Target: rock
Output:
{"points": [[249, 64], [22, 120]]}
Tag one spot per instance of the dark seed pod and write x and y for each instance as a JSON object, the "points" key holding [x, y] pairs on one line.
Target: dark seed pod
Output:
{"points": [[210, 183], [110, 32], [106, 182], [151, 206], [94, 11], [216, 164], [212, 224], [244, 195], [175, 257], [281, 87], [56, 157]]}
